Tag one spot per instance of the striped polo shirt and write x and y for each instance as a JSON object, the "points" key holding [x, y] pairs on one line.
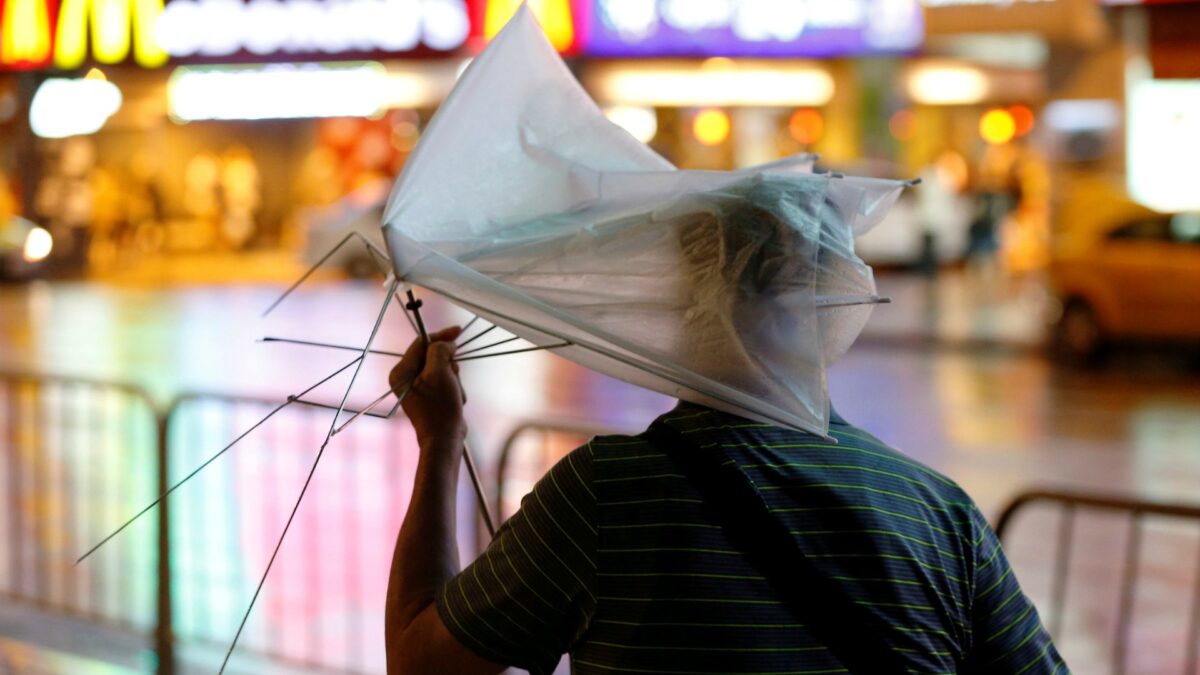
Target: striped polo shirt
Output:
{"points": [[614, 559]]}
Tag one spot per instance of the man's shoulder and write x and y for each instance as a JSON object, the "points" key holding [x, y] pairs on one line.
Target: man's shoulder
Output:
{"points": [[861, 442], [845, 445]]}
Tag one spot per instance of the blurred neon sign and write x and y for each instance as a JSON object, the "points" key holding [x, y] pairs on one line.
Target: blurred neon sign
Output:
{"points": [[110, 22], [25, 38], [555, 16], [279, 91], [214, 28], [116, 27], [753, 27], [41, 33], [970, 3]]}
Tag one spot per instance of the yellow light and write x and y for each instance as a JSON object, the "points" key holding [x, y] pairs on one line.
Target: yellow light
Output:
{"points": [[95, 74], [718, 63], [903, 125], [110, 30], [38, 244], [111, 36], [70, 44], [553, 15], [711, 126], [997, 126], [678, 84], [26, 32], [146, 50], [947, 85], [806, 126]]}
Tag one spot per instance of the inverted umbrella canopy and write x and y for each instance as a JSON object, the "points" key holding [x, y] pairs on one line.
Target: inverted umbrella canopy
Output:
{"points": [[732, 289]]}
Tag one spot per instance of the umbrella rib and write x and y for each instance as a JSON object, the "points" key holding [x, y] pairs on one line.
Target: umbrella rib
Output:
{"points": [[367, 242], [327, 406], [468, 325], [494, 344], [865, 300], [473, 472], [469, 341], [327, 345], [367, 411], [210, 460], [387, 301], [513, 351], [471, 306]]}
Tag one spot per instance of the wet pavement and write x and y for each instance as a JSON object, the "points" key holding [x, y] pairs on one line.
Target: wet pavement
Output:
{"points": [[949, 373]]}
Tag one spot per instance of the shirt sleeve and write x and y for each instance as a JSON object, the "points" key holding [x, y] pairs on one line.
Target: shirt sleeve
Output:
{"points": [[1007, 635], [529, 597]]}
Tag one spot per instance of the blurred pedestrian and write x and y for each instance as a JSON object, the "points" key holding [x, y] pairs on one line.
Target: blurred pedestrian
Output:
{"points": [[983, 240]]}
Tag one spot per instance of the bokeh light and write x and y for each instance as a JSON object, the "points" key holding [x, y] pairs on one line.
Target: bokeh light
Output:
{"points": [[38, 244], [641, 122], [1023, 118], [903, 125], [806, 125], [711, 126], [997, 126]]}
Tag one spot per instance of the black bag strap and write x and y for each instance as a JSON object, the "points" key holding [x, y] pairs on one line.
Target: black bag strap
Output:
{"points": [[841, 625]]}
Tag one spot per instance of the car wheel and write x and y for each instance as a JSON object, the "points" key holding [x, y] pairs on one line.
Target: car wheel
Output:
{"points": [[1079, 338]]}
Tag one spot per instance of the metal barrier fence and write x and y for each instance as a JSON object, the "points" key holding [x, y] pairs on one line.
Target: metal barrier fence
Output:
{"points": [[1176, 567], [75, 456], [321, 605], [79, 457]]}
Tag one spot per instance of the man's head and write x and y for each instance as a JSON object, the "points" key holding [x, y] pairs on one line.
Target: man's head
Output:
{"points": [[751, 255]]}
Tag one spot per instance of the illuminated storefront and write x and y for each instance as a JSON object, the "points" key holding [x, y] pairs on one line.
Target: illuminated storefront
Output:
{"points": [[983, 92], [148, 128], [737, 83], [306, 101]]}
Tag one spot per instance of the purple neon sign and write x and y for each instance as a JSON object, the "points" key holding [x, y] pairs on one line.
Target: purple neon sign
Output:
{"points": [[777, 28]]}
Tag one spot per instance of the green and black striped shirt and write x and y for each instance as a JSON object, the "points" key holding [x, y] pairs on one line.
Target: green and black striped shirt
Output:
{"points": [[612, 559]]}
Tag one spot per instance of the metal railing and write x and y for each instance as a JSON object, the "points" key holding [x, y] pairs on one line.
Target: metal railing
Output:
{"points": [[78, 457], [1137, 513], [326, 590], [67, 457]]}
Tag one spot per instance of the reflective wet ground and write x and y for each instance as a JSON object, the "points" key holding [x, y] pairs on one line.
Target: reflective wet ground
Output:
{"points": [[993, 414]]}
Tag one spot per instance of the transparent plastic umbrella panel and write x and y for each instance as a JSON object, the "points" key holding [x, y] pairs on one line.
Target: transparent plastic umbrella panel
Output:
{"points": [[733, 289]]}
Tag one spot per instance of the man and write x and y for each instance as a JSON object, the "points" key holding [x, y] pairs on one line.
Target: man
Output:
{"points": [[711, 543]]}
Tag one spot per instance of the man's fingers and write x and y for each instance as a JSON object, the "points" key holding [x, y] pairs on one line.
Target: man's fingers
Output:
{"points": [[447, 333], [438, 356], [415, 357]]}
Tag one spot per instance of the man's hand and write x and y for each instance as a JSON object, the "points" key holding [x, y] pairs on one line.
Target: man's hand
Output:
{"points": [[434, 399]]}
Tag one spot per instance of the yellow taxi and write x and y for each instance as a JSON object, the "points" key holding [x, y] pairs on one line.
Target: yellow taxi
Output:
{"points": [[1121, 271]]}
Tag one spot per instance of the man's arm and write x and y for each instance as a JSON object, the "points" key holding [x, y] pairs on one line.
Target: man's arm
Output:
{"points": [[426, 553]]}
